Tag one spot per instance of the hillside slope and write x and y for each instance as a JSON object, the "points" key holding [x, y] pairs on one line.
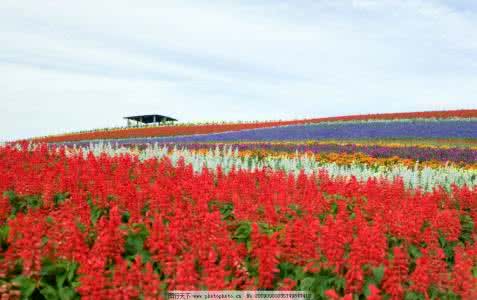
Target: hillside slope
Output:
{"points": [[187, 129]]}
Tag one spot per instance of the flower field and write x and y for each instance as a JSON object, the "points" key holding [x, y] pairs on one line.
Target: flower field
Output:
{"points": [[193, 129], [465, 155], [361, 207]]}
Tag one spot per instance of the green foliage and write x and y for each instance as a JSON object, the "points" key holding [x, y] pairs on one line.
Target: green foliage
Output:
{"points": [[289, 270], [435, 293], [22, 203], [57, 281], [227, 211], [325, 279], [134, 243], [60, 198], [315, 283], [334, 208], [375, 278], [318, 283], [468, 225], [91, 238], [269, 229], [125, 217], [296, 208], [27, 286], [251, 265], [448, 248], [392, 241], [414, 296], [3, 237], [96, 212], [242, 233], [414, 253], [145, 209]]}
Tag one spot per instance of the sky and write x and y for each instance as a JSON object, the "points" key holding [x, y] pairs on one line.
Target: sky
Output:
{"points": [[78, 65]]}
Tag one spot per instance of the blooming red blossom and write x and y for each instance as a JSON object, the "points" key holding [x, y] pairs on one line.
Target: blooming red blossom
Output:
{"points": [[140, 228]]}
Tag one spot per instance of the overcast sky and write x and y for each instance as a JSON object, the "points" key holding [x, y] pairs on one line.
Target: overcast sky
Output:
{"points": [[74, 65]]}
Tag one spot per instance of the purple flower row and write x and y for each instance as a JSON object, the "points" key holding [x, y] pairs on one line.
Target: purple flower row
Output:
{"points": [[373, 130]]}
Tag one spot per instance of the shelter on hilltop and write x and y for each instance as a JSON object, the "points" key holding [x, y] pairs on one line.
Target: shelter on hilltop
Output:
{"points": [[149, 119]]}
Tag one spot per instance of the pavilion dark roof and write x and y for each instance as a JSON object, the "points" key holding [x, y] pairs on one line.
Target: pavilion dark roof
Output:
{"points": [[150, 118]]}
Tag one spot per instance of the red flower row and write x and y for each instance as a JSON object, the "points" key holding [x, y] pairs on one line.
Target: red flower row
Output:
{"points": [[136, 229]]}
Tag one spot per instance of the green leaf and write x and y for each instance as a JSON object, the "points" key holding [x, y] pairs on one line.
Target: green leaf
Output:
{"points": [[378, 274], [413, 296], [319, 283], [67, 293], [81, 227], [49, 293], [296, 208], [4, 230], [96, 212], [435, 293], [393, 242], [467, 225], [448, 248], [145, 209], [71, 272], [33, 201], [17, 204], [288, 270], [44, 241], [22, 203], [334, 208], [134, 243], [60, 279], [125, 217], [27, 286], [242, 233], [227, 211], [252, 266], [307, 284], [414, 252], [60, 198], [268, 229], [48, 268]]}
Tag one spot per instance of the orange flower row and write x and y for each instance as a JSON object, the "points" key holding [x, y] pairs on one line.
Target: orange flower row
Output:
{"points": [[348, 159]]}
